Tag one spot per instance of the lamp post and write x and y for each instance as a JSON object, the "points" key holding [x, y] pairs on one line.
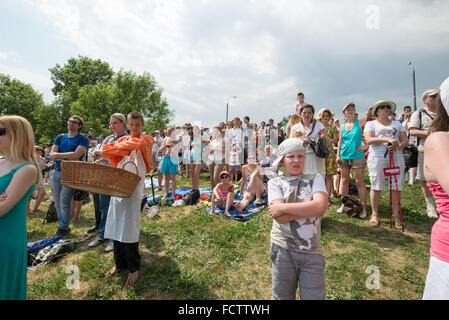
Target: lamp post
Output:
{"points": [[414, 85], [227, 107]]}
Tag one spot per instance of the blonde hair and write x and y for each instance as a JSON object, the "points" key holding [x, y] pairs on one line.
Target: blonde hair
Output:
{"points": [[22, 140]]}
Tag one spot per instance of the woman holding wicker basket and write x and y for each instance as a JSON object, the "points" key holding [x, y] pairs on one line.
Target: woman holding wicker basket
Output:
{"points": [[123, 223]]}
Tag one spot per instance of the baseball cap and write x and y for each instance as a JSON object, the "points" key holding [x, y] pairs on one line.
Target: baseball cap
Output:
{"points": [[288, 146], [430, 92]]}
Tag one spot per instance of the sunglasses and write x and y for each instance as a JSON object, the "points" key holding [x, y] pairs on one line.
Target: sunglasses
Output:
{"points": [[224, 176], [76, 122], [383, 107], [2, 131]]}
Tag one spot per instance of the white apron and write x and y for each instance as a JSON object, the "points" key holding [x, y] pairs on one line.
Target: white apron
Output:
{"points": [[123, 221]]}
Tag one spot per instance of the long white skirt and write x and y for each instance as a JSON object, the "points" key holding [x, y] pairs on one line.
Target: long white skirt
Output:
{"points": [[313, 164]]}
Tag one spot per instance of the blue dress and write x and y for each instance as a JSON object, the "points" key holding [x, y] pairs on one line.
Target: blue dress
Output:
{"points": [[13, 244]]}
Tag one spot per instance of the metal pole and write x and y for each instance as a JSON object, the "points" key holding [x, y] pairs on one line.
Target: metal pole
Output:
{"points": [[227, 106], [414, 90]]}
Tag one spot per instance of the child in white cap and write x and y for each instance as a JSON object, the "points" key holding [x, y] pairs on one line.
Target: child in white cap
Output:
{"points": [[296, 204]]}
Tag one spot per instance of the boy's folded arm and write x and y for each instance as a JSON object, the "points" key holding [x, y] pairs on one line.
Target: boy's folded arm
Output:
{"points": [[315, 208]]}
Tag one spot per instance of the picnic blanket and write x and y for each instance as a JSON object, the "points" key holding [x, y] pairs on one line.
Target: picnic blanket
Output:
{"points": [[247, 213], [155, 183]]}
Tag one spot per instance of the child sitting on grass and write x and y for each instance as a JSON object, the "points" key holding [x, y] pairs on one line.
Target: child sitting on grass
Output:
{"points": [[296, 203], [223, 194]]}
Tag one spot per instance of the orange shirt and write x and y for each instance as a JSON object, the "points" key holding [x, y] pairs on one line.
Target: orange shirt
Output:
{"points": [[125, 145]]}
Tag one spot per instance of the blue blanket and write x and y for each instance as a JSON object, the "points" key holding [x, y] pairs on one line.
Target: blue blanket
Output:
{"points": [[247, 213]]}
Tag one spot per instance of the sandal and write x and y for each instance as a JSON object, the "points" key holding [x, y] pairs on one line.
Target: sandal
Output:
{"points": [[374, 222]]}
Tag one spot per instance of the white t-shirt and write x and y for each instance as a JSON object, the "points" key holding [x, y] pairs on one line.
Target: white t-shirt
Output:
{"points": [[424, 124], [155, 145], [236, 136], [314, 135], [217, 146], [302, 234], [380, 131]]}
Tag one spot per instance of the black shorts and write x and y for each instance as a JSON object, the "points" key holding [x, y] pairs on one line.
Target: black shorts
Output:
{"points": [[80, 195]]}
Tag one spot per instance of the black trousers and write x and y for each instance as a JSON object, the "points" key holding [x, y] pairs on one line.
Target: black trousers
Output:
{"points": [[126, 256]]}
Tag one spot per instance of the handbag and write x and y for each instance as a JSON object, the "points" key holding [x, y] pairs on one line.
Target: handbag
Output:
{"points": [[319, 147]]}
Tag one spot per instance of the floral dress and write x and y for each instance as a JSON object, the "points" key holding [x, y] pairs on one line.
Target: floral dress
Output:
{"points": [[330, 162]]}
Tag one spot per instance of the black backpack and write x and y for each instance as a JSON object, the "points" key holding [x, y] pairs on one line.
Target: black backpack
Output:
{"points": [[51, 215], [192, 197]]}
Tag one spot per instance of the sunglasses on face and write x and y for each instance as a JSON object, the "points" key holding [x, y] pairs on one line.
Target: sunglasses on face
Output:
{"points": [[224, 176], [76, 122], [2, 131], [383, 107]]}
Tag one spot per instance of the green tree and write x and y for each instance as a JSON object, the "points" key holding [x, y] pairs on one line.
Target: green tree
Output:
{"points": [[95, 105], [48, 123], [142, 93], [124, 93], [18, 98], [74, 75]]}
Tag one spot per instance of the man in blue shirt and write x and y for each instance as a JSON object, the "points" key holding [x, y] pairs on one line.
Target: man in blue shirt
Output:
{"points": [[70, 146]]}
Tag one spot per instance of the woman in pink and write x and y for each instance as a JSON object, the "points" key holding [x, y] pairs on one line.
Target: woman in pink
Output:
{"points": [[436, 171]]}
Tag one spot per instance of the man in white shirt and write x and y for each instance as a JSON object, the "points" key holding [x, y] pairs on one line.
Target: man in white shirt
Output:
{"points": [[418, 126]]}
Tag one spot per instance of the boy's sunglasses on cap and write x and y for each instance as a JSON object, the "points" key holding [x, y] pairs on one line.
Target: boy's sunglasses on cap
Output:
{"points": [[2, 131], [383, 107], [76, 122]]}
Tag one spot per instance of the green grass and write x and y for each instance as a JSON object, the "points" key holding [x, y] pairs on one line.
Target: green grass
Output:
{"points": [[187, 254]]}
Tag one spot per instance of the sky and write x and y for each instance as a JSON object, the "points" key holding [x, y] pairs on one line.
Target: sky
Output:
{"points": [[202, 52]]}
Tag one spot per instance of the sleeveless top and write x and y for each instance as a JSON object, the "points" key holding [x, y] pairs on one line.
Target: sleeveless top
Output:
{"points": [[13, 244], [350, 140], [439, 239]]}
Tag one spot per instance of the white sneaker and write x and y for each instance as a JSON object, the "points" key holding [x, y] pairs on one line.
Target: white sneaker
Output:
{"points": [[110, 247], [432, 213], [340, 210], [96, 242], [363, 214]]}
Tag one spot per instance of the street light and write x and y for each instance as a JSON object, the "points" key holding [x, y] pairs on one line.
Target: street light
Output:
{"points": [[227, 107], [414, 86]]}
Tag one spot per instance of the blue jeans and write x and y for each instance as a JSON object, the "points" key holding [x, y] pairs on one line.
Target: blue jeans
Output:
{"points": [[63, 198], [104, 207]]}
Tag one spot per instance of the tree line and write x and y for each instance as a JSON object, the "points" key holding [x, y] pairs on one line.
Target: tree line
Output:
{"points": [[90, 89]]}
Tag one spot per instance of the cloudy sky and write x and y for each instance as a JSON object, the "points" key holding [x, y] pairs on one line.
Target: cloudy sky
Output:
{"points": [[263, 51]]}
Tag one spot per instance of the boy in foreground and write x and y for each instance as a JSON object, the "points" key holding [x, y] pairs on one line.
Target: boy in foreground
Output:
{"points": [[296, 203]]}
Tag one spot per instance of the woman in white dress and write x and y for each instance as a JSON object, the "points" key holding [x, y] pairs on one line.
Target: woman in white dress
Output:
{"points": [[310, 129], [123, 222]]}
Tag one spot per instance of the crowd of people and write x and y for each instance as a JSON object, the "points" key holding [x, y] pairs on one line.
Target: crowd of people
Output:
{"points": [[238, 155]]}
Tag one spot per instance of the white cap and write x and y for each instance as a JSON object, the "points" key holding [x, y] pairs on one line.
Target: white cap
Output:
{"points": [[288, 146]]}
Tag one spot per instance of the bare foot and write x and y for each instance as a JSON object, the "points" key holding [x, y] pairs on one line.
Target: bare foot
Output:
{"points": [[132, 278], [227, 214], [112, 271]]}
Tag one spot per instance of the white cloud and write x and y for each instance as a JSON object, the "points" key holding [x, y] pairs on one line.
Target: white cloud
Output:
{"points": [[5, 55]]}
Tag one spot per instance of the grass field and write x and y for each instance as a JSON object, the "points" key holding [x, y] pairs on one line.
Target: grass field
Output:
{"points": [[187, 254]]}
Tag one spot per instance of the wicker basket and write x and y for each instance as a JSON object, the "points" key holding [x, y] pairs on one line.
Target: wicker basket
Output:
{"points": [[99, 178]]}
